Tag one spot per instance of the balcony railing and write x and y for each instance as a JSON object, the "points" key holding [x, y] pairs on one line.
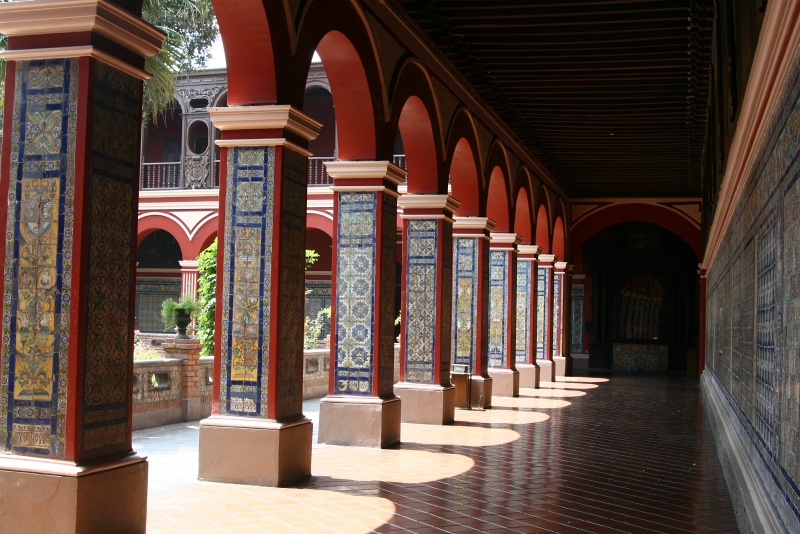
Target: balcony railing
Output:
{"points": [[172, 175], [160, 176], [318, 176]]}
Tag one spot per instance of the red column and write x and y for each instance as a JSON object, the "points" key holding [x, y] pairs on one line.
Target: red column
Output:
{"points": [[471, 312], [69, 170], [544, 320], [529, 371], [258, 388], [427, 298], [361, 407], [503, 313]]}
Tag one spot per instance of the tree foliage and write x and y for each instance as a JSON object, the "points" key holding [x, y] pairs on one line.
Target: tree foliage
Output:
{"points": [[191, 29]]}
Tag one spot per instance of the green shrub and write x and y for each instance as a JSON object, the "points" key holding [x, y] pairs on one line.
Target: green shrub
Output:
{"points": [[207, 298]]}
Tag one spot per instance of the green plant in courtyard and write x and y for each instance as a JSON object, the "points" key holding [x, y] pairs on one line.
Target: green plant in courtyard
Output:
{"points": [[169, 309], [207, 298], [143, 351], [318, 328]]}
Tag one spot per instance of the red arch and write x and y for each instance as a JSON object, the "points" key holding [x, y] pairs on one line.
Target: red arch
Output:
{"points": [[421, 135], [320, 222], [634, 212], [558, 239], [543, 228], [523, 220], [498, 203], [464, 179], [252, 42]]}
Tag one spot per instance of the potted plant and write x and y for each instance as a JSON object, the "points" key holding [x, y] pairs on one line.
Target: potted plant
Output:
{"points": [[179, 314]]}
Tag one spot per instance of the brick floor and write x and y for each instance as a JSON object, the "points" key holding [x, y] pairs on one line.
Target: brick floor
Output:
{"points": [[626, 454]]}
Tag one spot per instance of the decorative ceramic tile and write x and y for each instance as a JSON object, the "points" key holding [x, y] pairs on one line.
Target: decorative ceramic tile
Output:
{"points": [[420, 320], [289, 401], [246, 277], [753, 310], [466, 274], [36, 303], [498, 306], [542, 311], [557, 328], [524, 331], [641, 358], [355, 292], [111, 217], [576, 343]]}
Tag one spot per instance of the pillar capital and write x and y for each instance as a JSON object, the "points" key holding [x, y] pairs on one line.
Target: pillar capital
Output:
{"points": [[472, 226], [547, 261], [562, 267], [271, 125], [504, 240], [529, 252], [365, 175], [416, 206], [188, 264], [70, 25]]}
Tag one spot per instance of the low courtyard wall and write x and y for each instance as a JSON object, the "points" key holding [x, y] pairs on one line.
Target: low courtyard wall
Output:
{"points": [[179, 386]]}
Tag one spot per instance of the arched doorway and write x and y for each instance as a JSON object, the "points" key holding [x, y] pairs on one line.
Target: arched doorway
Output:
{"points": [[643, 307]]}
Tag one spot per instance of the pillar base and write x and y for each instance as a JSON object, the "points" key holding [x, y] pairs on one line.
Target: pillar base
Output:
{"points": [[480, 391], [429, 404], [548, 372], [360, 421], [560, 363], [506, 382], [243, 450], [55, 496], [529, 375]]}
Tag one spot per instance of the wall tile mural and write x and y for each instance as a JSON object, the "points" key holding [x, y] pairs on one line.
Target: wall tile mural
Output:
{"points": [[420, 321], [555, 336], [753, 311], [542, 335], [498, 306], [576, 343], [247, 272], [355, 292], [524, 288], [36, 329], [465, 283]]}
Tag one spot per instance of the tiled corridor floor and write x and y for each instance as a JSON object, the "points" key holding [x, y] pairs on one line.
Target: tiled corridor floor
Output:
{"points": [[625, 454]]}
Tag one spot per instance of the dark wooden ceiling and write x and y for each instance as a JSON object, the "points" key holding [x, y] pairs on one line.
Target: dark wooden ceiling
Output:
{"points": [[611, 96]]}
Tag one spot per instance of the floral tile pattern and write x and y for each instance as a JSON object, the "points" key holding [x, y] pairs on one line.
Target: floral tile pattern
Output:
{"points": [[498, 306], [542, 310], [466, 273], [38, 262], [420, 321], [524, 301]]}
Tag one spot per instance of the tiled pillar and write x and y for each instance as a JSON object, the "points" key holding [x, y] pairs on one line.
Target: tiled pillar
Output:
{"points": [[544, 316], [425, 390], [257, 433], [189, 278], [503, 313], [529, 371], [361, 407], [559, 313], [69, 180], [471, 312]]}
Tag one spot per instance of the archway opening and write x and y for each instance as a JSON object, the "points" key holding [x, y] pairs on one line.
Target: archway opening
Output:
{"points": [[158, 277]]}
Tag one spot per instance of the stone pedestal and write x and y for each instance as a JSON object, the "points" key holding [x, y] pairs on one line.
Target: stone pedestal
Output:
{"points": [[529, 375], [548, 370], [560, 364], [506, 382], [60, 497], [360, 421], [426, 403], [244, 450]]}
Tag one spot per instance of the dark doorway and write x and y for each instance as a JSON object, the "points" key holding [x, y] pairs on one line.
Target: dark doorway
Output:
{"points": [[644, 301]]}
